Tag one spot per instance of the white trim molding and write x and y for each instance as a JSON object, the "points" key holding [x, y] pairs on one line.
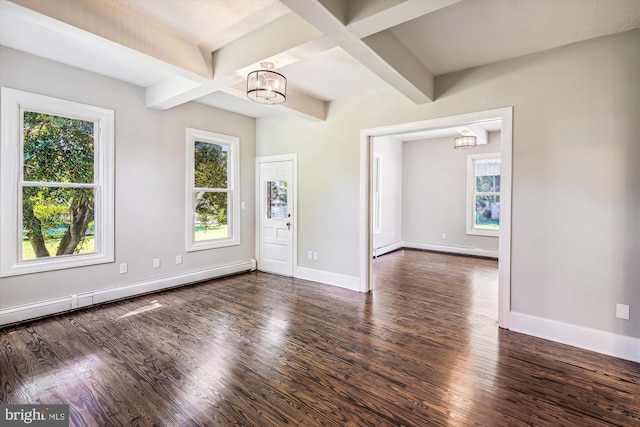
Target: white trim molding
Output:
{"points": [[14, 105], [487, 253], [232, 145], [471, 194], [328, 278], [58, 305], [621, 346], [386, 249]]}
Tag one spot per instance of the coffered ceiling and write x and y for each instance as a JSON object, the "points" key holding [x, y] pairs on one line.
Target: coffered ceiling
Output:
{"points": [[201, 50]]}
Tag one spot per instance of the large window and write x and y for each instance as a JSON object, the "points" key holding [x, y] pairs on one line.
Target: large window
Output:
{"points": [[483, 194], [213, 197], [57, 184]]}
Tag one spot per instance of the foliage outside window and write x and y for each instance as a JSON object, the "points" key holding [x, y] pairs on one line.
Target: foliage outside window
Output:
{"points": [[213, 199], [483, 217], [277, 204], [57, 183]]}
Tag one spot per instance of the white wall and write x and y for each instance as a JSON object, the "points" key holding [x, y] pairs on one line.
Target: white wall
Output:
{"points": [[390, 151], [575, 149], [150, 181], [434, 196]]}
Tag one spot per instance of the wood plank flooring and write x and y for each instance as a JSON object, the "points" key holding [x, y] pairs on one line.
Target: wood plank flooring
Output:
{"points": [[422, 349]]}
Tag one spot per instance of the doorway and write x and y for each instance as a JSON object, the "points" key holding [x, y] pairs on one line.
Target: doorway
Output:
{"points": [[276, 238], [505, 116]]}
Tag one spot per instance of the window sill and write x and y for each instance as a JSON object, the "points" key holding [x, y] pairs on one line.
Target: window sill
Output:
{"points": [[54, 263], [485, 233]]}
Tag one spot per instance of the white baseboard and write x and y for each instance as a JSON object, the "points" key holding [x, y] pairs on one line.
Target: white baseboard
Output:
{"points": [[451, 249], [621, 346], [85, 299], [386, 249], [329, 278]]}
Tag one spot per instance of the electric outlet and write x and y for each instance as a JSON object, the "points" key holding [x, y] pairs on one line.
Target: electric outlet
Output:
{"points": [[310, 255], [622, 311], [178, 259], [315, 256], [156, 263], [123, 268], [444, 236]]}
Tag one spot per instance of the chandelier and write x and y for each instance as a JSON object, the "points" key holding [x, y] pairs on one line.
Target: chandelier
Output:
{"points": [[266, 86], [465, 141]]}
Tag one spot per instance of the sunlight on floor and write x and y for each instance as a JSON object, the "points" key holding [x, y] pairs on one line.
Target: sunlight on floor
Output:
{"points": [[152, 306]]}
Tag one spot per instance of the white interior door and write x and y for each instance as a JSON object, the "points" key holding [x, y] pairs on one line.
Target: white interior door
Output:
{"points": [[276, 221]]}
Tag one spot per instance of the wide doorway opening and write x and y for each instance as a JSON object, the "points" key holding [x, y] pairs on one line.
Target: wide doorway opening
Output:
{"points": [[373, 222]]}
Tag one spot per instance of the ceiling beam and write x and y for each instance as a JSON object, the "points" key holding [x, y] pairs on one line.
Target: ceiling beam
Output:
{"points": [[286, 33], [367, 17], [74, 32], [387, 46], [417, 86], [173, 91], [298, 103], [481, 133], [106, 21]]}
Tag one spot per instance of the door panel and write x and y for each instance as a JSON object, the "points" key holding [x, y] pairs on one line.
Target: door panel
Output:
{"points": [[276, 217]]}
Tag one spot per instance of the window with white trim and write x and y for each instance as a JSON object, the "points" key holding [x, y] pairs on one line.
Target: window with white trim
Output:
{"points": [[56, 186], [483, 194], [213, 199]]}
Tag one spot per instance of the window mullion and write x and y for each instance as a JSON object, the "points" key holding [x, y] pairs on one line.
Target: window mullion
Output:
{"points": [[57, 184], [213, 190]]}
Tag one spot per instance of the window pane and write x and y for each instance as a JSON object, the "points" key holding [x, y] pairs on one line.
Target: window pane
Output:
{"points": [[58, 149], [488, 184], [277, 207], [210, 165], [487, 167], [211, 216], [57, 221], [487, 212]]}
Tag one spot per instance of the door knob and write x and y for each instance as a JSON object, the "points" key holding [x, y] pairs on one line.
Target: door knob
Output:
{"points": [[288, 226]]}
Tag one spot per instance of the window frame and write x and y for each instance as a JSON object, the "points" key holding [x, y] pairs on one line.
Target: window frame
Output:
{"points": [[233, 189], [14, 103], [471, 194]]}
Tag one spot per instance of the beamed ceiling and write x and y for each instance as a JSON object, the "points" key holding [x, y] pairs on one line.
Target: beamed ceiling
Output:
{"points": [[202, 50]]}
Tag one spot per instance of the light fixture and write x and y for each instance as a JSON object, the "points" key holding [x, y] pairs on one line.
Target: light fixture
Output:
{"points": [[465, 141], [266, 86]]}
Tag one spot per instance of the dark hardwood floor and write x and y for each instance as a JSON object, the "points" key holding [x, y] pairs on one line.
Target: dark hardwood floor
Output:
{"points": [[422, 349]]}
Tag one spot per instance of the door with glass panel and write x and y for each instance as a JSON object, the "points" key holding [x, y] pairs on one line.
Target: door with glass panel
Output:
{"points": [[276, 217]]}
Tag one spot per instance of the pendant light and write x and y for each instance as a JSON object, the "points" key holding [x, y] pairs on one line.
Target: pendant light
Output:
{"points": [[465, 141], [266, 86]]}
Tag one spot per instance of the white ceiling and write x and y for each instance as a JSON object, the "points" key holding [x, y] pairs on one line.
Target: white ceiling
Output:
{"points": [[184, 50], [210, 24]]}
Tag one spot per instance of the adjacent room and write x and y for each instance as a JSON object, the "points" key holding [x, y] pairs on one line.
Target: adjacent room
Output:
{"points": [[314, 212]]}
